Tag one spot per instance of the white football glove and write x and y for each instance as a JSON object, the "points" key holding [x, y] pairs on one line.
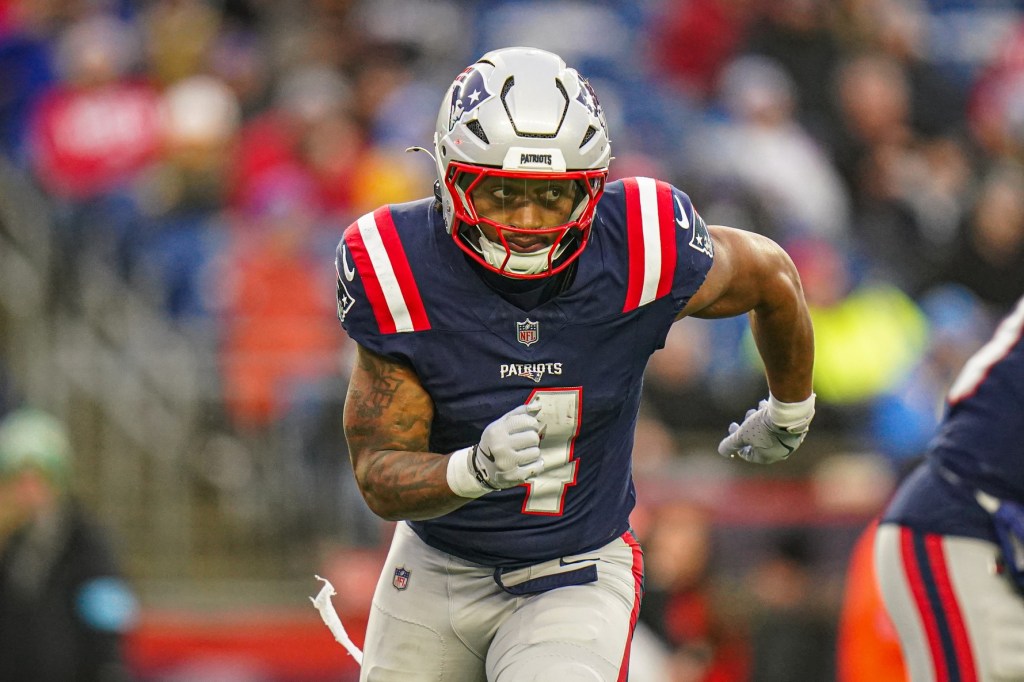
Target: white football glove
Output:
{"points": [[769, 433], [508, 454]]}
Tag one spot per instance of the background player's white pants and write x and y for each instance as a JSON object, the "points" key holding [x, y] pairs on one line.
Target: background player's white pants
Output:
{"points": [[453, 623], [956, 617]]}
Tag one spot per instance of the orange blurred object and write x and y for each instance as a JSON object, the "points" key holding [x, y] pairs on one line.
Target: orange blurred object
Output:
{"points": [[868, 648]]}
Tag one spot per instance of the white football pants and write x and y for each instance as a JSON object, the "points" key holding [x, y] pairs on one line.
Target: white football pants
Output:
{"points": [[957, 618], [438, 618]]}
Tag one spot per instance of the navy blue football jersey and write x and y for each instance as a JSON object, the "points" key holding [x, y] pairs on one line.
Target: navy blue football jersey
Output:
{"points": [[407, 292], [982, 435], [980, 441]]}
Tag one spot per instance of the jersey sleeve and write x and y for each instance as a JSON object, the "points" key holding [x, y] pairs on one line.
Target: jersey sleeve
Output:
{"points": [[379, 303], [695, 251], [670, 249]]}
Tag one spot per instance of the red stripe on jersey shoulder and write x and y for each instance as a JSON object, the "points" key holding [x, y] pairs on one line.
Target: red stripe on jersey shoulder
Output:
{"points": [[637, 245], [667, 225], [409, 296], [400, 265], [364, 266]]}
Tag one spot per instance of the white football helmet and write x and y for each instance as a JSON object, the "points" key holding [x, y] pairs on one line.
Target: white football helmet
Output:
{"points": [[519, 127]]}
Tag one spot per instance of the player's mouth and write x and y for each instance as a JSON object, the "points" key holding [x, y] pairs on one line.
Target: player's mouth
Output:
{"points": [[527, 244]]}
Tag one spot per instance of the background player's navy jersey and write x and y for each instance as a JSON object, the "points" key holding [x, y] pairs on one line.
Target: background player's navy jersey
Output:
{"points": [[406, 291], [981, 440]]}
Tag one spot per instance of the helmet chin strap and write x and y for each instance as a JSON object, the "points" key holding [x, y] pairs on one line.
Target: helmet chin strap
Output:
{"points": [[518, 263]]}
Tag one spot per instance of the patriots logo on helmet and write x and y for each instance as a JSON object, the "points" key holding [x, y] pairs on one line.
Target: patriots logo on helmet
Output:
{"points": [[469, 92], [588, 98]]}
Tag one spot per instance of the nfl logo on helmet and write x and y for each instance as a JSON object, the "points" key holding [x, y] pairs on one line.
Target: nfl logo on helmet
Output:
{"points": [[401, 579], [527, 332]]}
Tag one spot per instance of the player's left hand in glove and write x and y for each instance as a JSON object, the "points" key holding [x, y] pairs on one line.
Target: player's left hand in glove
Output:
{"points": [[769, 433]]}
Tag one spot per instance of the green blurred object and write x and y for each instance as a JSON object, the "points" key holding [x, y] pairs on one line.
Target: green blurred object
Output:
{"points": [[33, 438], [866, 344]]}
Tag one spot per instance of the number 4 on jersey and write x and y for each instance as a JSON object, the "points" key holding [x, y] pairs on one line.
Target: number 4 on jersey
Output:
{"points": [[560, 415]]}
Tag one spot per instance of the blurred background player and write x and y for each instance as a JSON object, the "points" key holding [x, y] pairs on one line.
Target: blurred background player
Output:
{"points": [[508, 322], [949, 553], [64, 607]]}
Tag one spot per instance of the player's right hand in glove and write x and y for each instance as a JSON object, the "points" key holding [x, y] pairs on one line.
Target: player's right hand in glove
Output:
{"points": [[769, 433], [507, 455]]}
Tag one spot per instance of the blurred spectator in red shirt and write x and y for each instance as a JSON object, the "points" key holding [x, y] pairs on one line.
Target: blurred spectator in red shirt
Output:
{"points": [[693, 40], [278, 327], [310, 128], [92, 133]]}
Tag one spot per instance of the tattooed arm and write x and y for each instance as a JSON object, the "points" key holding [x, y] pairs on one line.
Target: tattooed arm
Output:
{"points": [[387, 425]]}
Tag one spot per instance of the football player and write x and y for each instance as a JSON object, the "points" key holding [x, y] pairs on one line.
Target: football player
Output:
{"points": [[949, 553], [503, 327]]}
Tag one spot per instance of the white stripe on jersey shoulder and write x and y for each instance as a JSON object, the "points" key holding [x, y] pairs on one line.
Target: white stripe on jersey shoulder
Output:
{"points": [[648, 188], [385, 273], [976, 369]]}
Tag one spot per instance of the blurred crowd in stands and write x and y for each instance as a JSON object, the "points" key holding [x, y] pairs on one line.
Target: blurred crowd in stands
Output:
{"points": [[212, 151]]}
